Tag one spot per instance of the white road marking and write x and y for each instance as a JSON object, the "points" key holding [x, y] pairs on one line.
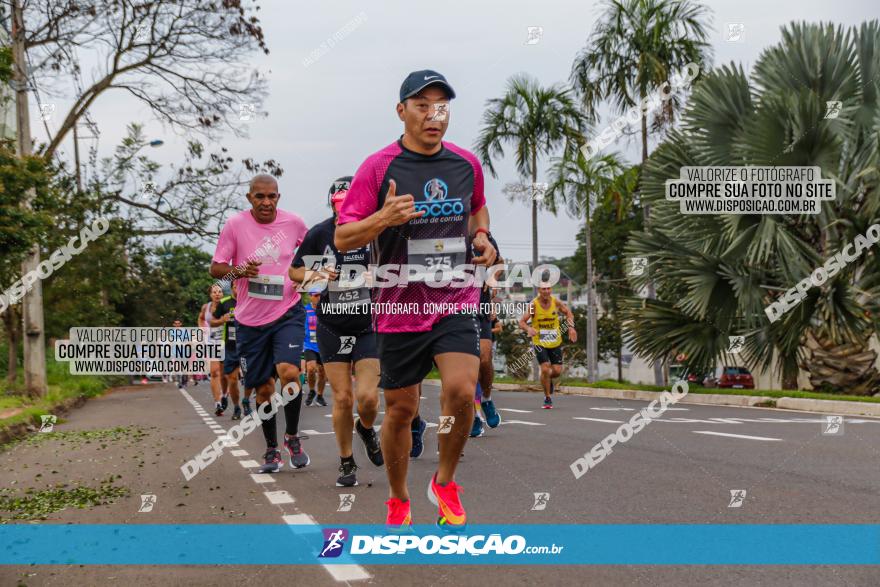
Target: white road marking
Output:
{"points": [[522, 422], [239, 453], [613, 409], [262, 478], [515, 411], [737, 435], [278, 497], [340, 573], [299, 519], [315, 433], [599, 420], [249, 464]]}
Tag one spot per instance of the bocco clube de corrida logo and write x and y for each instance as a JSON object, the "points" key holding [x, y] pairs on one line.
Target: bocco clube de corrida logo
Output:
{"points": [[334, 542], [435, 203]]}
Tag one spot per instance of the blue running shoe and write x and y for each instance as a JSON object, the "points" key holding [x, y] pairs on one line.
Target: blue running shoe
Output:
{"points": [[477, 428], [246, 406], [273, 461], [493, 418], [548, 403], [418, 440]]}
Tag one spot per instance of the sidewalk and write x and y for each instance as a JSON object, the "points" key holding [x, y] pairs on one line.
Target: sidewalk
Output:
{"points": [[846, 408]]}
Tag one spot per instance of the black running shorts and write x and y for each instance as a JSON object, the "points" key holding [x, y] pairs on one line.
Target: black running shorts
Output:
{"points": [[406, 357]]}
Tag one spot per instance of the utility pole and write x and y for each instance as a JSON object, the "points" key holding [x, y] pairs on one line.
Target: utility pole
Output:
{"points": [[32, 306], [79, 186]]}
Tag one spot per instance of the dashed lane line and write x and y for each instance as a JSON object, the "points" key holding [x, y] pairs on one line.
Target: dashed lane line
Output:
{"points": [[764, 438]]}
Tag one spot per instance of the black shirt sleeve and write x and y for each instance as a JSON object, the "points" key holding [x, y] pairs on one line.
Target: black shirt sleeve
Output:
{"points": [[307, 247]]}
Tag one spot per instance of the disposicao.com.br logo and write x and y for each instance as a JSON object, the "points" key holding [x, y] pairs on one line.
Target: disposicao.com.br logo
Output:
{"points": [[429, 544]]}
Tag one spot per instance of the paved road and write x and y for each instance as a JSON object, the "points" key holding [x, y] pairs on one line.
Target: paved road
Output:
{"points": [[680, 469]]}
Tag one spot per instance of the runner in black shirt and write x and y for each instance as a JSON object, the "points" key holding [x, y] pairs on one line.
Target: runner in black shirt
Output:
{"points": [[345, 335], [225, 314], [483, 397]]}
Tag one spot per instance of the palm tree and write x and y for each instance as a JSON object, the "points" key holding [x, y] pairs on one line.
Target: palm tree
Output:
{"points": [[634, 49], [577, 183], [716, 274], [536, 121]]}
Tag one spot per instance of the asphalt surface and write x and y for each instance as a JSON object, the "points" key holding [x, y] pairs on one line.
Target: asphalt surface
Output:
{"points": [[680, 469]]}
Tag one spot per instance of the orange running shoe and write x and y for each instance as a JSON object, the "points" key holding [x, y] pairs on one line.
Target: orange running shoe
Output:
{"points": [[399, 518], [451, 515]]}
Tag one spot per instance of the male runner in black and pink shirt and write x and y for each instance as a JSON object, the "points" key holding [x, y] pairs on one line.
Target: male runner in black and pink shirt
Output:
{"points": [[420, 203]]}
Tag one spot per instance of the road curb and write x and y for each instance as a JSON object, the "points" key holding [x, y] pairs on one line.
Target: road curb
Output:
{"points": [[717, 399], [829, 406]]}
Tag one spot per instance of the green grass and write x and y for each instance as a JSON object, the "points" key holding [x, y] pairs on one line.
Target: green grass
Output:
{"points": [[62, 386], [611, 384], [36, 505]]}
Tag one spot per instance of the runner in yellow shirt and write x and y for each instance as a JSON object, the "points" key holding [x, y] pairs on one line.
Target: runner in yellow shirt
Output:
{"points": [[546, 334]]}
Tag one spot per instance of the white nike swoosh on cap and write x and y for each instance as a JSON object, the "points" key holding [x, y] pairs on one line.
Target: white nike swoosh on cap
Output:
{"points": [[427, 77]]}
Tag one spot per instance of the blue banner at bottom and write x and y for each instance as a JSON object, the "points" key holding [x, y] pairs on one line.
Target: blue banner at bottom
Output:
{"points": [[526, 544]]}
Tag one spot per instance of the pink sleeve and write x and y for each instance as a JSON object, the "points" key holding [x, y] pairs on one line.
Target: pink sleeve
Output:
{"points": [[225, 251], [478, 198], [302, 233], [363, 196]]}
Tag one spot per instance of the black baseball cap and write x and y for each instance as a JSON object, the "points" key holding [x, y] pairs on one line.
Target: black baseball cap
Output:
{"points": [[419, 80]]}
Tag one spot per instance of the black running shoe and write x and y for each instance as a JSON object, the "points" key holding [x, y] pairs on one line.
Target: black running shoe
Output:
{"points": [[218, 410], [418, 440], [311, 398], [371, 443], [298, 457], [273, 461], [246, 406], [347, 474], [236, 415], [224, 402], [321, 401]]}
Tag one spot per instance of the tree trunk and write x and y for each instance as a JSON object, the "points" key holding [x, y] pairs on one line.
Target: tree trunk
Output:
{"points": [[652, 294], [534, 236], [591, 342], [32, 306], [10, 324]]}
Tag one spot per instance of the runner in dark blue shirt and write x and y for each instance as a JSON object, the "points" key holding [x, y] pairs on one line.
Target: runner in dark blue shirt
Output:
{"points": [[345, 336]]}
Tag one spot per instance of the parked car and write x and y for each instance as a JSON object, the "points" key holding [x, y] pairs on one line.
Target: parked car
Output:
{"points": [[680, 372], [731, 378]]}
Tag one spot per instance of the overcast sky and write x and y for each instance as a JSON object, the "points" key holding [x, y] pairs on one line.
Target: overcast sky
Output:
{"points": [[325, 118]]}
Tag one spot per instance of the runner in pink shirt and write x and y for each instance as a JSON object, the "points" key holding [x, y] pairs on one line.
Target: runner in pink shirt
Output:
{"points": [[420, 202], [256, 248]]}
